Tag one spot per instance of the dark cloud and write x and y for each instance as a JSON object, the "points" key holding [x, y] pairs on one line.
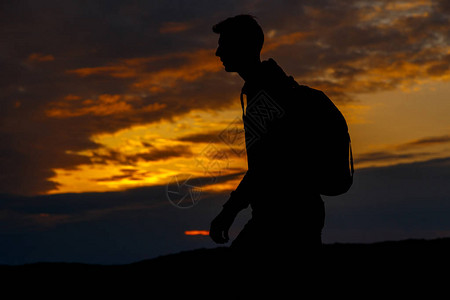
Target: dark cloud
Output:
{"points": [[26, 213], [400, 151], [107, 227], [405, 151], [395, 202], [388, 156], [427, 141], [207, 137], [78, 204], [164, 153], [392, 203], [358, 47], [152, 153], [26, 156], [97, 227], [130, 174]]}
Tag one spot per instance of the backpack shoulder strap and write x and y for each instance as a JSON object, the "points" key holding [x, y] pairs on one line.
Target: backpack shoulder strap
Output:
{"points": [[352, 170]]}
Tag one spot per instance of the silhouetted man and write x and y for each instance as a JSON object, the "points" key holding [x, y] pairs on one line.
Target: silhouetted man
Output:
{"points": [[287, 209]]}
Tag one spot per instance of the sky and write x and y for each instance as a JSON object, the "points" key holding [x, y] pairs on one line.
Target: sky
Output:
{"points": [[112, 110]]}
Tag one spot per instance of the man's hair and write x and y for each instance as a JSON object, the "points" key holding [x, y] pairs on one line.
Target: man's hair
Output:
{"points": [[244, 29]]}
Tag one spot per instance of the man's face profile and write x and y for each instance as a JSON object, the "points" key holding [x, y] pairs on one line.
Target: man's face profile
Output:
{"points": [[230, 53]]}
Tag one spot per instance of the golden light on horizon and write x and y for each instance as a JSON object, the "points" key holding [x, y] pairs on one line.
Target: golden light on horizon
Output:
{"points": [[153, 154]]}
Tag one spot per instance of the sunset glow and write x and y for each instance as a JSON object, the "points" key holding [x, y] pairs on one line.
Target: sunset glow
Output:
{"points": [[120, 123], [138, 119], [152, 154]]}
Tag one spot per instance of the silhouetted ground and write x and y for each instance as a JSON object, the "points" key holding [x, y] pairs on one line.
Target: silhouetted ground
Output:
{"points": [[404, 266]]}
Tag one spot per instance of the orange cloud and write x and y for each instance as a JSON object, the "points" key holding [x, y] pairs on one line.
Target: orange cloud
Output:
{"points": [[196, 232], [174, 27], [406, 6], [72, 97], [194, 65], [39, 57], [197, 64], [374, 73], [119, 71], [286, 39], [104, 105]]}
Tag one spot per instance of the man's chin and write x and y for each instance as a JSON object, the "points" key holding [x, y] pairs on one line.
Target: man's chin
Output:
{"points": [[229, 68]]}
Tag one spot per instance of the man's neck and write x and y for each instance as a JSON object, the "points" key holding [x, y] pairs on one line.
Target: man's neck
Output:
{"points": [[251, 71]]}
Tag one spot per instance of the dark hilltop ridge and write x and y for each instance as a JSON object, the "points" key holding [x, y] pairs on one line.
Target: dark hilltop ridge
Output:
{"points": [[394, 268], [393, 256]]}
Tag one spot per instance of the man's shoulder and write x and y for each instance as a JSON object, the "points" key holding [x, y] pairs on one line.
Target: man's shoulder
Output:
{"points": [[308, 91]]}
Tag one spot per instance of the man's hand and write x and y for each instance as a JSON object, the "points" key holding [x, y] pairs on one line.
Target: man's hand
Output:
{"points": [[220, 226]]}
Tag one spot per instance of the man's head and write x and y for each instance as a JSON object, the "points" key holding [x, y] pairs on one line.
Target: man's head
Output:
{"points": [[240, 42]]}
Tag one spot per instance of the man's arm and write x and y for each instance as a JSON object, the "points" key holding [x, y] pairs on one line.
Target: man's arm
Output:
{"points": [[237, 202], [238, 198]]}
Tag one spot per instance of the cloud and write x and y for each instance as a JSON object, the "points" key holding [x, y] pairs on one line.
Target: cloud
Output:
{"points": [[104, 105], [35, 213], [105, 228], [164, 153], [174, 27], [129, 174], [359, 47], [26, 157], [158, 74], [406, 152], [427, 141], [276, 41], [392, 203], [110, 156], [388, 156], [39, 57], [206, 137]]}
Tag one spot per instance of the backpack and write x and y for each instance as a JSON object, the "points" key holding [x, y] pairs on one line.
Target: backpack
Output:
{"points": [[331, 145]]}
